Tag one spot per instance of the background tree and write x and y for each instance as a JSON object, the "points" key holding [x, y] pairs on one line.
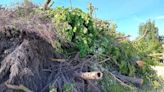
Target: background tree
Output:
{"points": [[149, 40], [161, 38], [150, 29], [91, 9]]}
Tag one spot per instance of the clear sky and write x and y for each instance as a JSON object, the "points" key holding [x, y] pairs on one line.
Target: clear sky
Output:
{"points": [[127, 14]]}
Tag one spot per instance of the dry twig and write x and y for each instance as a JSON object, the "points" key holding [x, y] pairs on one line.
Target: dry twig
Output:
{"points": [[19, 87]]}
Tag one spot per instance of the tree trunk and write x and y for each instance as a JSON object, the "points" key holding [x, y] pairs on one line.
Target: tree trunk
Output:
{"points": [[136, 81]]}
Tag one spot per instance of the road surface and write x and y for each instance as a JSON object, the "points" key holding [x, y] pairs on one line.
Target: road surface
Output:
{"points": [[159, 70]]}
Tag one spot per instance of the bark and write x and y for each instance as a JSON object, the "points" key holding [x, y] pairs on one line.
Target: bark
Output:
{"points": [[136, 81]]}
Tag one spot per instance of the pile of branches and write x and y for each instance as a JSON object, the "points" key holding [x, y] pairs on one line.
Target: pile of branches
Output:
{"points": [[28, 62]]}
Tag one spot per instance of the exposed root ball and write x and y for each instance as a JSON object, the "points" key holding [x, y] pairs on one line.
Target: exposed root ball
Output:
{"points": [[26, 50]]}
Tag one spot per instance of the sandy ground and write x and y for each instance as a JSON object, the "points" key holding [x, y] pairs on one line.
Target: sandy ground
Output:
{"points": [[159, 70]]}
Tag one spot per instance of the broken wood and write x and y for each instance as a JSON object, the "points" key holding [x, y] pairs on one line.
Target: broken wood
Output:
{"points": [[140, 63], [90, 75], [58, 60]]}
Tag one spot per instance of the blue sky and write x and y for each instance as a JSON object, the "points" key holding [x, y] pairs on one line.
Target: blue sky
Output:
{"points": [[127, 14]]}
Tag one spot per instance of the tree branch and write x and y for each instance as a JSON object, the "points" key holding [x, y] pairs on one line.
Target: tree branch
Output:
{"points": [[46, 4]]}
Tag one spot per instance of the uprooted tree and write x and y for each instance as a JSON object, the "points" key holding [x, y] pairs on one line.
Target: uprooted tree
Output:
{"points": [[26, 53]]}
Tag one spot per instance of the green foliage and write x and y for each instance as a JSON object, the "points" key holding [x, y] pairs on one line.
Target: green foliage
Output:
{"points": [[89, 35], [150, 43], [79, 32], [91, 9], [108, 84], [124, 53], [150, 28], [161, 38], [68, 87], [75, 28]]}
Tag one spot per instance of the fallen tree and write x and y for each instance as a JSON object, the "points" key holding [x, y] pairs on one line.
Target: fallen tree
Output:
{"points": [[27, 58]]}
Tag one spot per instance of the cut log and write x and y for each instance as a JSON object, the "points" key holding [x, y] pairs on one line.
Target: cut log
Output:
{"points": [[90, 75], [140, 63], [136, 81]]}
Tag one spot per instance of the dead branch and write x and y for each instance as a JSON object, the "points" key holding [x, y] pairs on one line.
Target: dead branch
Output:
{"points": [[58, 60], [92, 87], [156, 54], [104, 60], [20, 87], [143, 36], [123, 37], [46, 4]]}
